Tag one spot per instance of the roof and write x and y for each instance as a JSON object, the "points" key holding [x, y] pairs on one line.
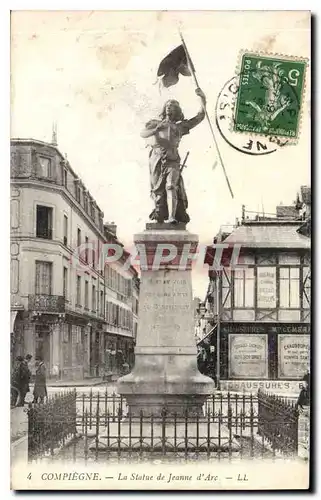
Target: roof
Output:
{"points": [[30, 141], [286, 211], [269, 235]]}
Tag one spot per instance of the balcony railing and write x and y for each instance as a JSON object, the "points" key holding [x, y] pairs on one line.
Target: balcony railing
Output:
{"points": [[46, 303]]}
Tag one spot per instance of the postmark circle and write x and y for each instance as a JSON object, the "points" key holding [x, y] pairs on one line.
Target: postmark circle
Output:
{"points": [[245, 142]]}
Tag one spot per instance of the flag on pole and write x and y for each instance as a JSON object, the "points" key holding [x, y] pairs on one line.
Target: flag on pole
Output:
{"points": [[177, 62], [174, 64]]}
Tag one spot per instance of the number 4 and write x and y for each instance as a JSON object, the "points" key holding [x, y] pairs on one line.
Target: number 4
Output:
{"points": [[29, 475]]}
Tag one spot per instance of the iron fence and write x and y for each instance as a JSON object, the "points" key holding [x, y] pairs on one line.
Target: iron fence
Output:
{"points": [[232, 425], [278, 421], [51, 424]]}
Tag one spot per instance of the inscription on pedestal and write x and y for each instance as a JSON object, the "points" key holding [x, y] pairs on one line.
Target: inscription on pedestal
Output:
{"points": [[165, 308]]}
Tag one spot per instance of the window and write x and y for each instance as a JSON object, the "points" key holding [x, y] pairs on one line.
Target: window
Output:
{"points": [[107, 312], [65, 178], [86, 294], [226, 289], [108, 275], [77, 190], [78, 295], [92, 210], [306, 287], [101, 303], [65, 230], [85, 202], [65, 282], [290, 287], [67, 345], [43, 278], [117, 315], [128, 288], [93, 298], [42, 341], [86, 249], [114, 314], [113, 279], [78, 237], [44, 222], [244, 287], [45, 164], [135, 305]]}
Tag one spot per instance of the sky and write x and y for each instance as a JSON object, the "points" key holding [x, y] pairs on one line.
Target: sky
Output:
{"points": [[94, 74]]}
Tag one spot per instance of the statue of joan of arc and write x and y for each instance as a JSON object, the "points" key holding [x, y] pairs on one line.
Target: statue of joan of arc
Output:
{"points": [[167, 186]]}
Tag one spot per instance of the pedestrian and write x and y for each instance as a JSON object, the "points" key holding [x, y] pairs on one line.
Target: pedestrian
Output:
{"points": [[24, 375], [16, 381], [28, 358], [40, 389], [304, 396]]}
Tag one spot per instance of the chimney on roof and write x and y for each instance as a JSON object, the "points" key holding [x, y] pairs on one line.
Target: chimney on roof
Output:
{"points": [[111, 227], [54, 134]]}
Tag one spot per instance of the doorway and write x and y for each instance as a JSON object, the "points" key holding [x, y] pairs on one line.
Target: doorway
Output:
{"points": [[43, 344]]}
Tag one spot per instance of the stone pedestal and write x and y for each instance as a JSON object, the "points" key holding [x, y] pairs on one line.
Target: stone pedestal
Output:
{"points": [[165, 372]]}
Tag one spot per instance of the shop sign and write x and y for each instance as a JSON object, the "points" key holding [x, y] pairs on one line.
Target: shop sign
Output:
{"points": [[293, 355], [270, 327], [289, 387], [248, 356], [266, 287]]}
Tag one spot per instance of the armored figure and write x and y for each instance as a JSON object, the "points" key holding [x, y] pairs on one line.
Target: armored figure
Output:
{"points": [[167, 187]]}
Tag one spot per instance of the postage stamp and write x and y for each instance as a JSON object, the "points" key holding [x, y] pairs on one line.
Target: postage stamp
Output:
{"points": [[247, 142], [270, 95]]}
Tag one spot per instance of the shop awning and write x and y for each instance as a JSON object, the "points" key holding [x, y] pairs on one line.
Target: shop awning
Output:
{"points": [[13, 319]]}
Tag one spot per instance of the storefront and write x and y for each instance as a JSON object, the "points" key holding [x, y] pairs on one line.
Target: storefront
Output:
{"points": [[270, 356], [119, 354]]}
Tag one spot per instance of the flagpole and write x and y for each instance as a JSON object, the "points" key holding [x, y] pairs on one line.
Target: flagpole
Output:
{"points": [[189, 60]]}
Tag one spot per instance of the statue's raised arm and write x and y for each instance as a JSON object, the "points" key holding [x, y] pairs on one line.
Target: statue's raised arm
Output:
{"points": [[167, 187], [192, 122]]}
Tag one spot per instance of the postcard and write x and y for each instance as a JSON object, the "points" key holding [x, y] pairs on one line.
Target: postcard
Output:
{"points": [[160, 250]]}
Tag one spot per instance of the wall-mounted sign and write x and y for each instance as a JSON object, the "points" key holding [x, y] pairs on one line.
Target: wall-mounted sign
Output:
{"points": [[266, 287], [294, 355], [248, 356], [254, 328], [272, 386]]}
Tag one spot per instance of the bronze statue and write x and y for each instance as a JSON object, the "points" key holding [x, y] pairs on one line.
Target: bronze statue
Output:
{"points": [[167, 187]]}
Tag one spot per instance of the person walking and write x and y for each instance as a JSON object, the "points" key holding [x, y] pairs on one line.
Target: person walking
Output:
{"points": [[27, 360], [304, 396], [16, 381], [24, 379], [40, 389]]}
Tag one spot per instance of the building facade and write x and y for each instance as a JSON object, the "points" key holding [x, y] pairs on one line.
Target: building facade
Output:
{"points": [[262, 307], [60, 299]]}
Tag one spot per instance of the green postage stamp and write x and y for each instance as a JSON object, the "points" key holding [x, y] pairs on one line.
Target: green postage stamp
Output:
{"points": [[270, 95]]}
